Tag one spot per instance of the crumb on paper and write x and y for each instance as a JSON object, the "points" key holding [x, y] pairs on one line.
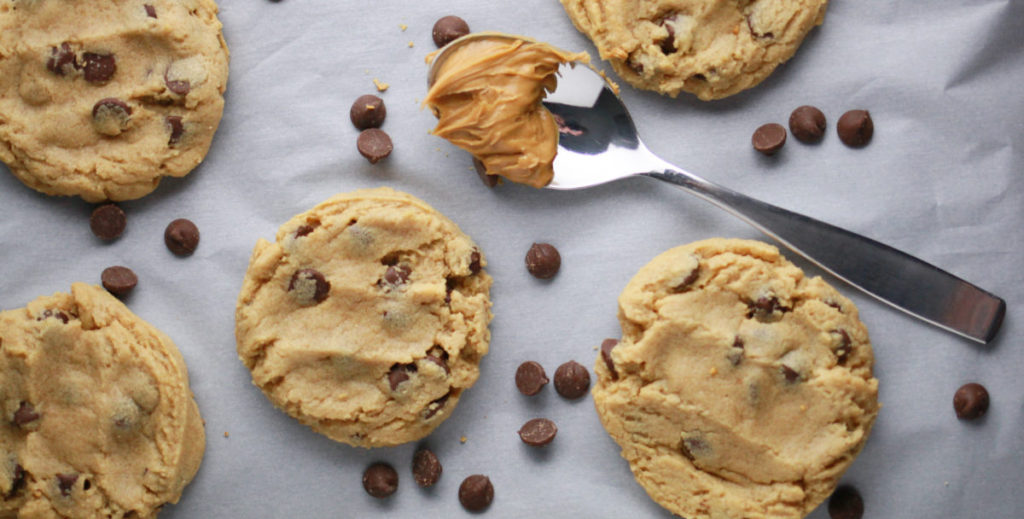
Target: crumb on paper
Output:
{"points": [[226, 434], [403, 26], [411, 44], [380, 85], [462, 439]]}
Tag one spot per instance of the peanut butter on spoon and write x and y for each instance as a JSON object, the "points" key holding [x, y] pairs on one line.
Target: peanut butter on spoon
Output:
{"points": [[487, 97]]}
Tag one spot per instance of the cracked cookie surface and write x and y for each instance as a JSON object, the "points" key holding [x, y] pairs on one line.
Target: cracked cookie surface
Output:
{"points": [[710, 48], [367, 318], [98, 418], [103, 99], [740, 388]]}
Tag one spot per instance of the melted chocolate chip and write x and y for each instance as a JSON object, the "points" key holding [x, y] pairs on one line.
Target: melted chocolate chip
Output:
{"points": [[380, 480], [736, 353], [426, 468], [765, 308], [400, 373], [62, 60], [56, 314], [436, 405], [179, 86], [530, 378], [843, 345], [396, 276], [181, 236], [688, 281], [447, 29], [790, 374], [107, 222], [111, 116], [367, 111], [474, 263], [476, 493], [971, 401], [303, 230], [25, 414], [543, 260], [693, 446], [177, 128], [17, 480], [309, 286], [668, 45], [66, 482], [538, 432], [572, 380], [98, 68], [606, 353], [441, 359], [150, 11]]}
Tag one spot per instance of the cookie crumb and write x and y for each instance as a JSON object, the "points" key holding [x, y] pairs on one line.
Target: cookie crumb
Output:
{"points": [[226, 434], [462, 439], [411, 44], [380, 86], [403, 26]]}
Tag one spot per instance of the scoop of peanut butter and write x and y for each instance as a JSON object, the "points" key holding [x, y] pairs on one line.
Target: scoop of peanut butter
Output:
{"points": [[487, 97]]}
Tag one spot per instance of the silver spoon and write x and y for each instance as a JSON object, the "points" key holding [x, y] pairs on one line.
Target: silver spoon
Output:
{"points": [[598, 143]]}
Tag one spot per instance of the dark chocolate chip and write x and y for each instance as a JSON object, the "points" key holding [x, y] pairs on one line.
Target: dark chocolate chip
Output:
{"points": [[530, 378], [62, 60], [25, 414], [846, 503], [56, 314], [107, 222], [66, 482], [538, 432], [543, 260], [685, 284], [436, 405], [303, 230], [970, 401], [426, 468], [374, 144], [476, 493], [769, 138], [855, 128], [438, 356], [843, 345], [181, 236], [807, 124], [474, 262], [481, 170], [17, 480], [399, 373], [764, 309], [449, 28], [119, 280], [449, 286], [668, 45], [177, 128], [111, 116], [736, 352], [98, 68], [572, 380], [368, 111], [179, 86], [606, 353], [380, 480], [309, 286], [150, 11], [789, 373], [395, 276]]}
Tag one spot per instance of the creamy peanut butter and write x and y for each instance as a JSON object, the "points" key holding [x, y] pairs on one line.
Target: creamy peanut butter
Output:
{"points": [[487, 97]]}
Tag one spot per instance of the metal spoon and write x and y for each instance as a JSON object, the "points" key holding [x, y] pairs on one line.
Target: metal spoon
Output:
{"points": [[598, 143]]}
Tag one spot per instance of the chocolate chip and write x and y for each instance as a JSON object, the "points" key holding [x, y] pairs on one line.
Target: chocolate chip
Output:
{"points": [[66, 482], [309, 286], [843, 345], [303, 230], [368, 111], [474, 262], [789, 373], [111, 116], [177, 128], [436, 405], [855, 128], [181, 236], [380, 480], [56, 314], [572, 380], [426, 468], [374, 144], [807, 124], [107, 222], [399, 373], [438, 356], [846, 503], [395, 276], [150, 11], [606, 353], [179, 86], [543, 260], [668, 45], [17, 480], [118, 280], [530, 378], [736, 352], [476, 493], [693, 446], [449, 28], [769, 138], [62, 60], [764, 309], [98, 68], [970, 401], [685, 284], [538, 432], [25, 414], [481, 170]]}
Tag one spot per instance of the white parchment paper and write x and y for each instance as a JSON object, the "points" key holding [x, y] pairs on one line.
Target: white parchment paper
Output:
{"points": [[942, 179]]}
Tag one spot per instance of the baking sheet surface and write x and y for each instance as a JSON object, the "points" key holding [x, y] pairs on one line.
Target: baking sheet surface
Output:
{"points": [[942, 179]]}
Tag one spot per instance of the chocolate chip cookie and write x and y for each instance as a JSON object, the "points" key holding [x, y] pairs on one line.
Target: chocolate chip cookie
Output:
{"points": [[709, 48], [98, 418], [367, 319], [103, 99], [740, 388]]}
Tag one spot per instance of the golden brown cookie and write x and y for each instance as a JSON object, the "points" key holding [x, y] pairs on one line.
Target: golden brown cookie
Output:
{"points": [[103, 99], [740, 388], [709, 48], [367, 318], [98, 418]]}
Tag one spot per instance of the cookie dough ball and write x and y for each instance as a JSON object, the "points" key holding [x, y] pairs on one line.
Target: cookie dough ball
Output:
{"points": [[740, 388], [706, 47], [367, 318], [98, 418], [103, 99]]}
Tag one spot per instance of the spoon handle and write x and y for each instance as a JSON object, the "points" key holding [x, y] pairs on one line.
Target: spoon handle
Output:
{"points": [[903, 281]]}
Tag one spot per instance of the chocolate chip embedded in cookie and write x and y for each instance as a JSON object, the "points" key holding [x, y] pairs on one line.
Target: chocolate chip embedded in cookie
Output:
{"points": [[372, 295], [95, 402], [709, 48], [102, 103], [751, 383]]}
